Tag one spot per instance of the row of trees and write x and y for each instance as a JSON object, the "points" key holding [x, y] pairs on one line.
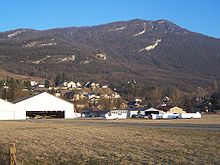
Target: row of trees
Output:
{"points": [[153, 96]]}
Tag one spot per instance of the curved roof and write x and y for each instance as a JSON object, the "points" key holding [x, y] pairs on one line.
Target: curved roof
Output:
{"points": [[44, 102]]}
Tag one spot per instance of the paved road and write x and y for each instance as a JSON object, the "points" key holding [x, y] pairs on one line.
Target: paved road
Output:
{"points": [[215, 127]]}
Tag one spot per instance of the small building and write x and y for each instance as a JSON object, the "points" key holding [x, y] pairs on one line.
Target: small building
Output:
{"points": [[58, 94], [41, 85], [78, 85], [64, 84], [71, 84], [33, 83], [131, 113], [171, 109], [116, 95], [134, 111], [176, 110], [91, 95], [152, 110]]}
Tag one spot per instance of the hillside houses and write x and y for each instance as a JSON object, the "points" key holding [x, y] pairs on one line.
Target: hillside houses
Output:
{"points": [[83, 95], [69, 84], [92, 94]]}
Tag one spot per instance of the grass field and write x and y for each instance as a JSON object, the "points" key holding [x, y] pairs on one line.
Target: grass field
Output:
{"points": [[56, 142]]}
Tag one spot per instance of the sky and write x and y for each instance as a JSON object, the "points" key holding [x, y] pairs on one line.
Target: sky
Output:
{"points": [[202, 16]]}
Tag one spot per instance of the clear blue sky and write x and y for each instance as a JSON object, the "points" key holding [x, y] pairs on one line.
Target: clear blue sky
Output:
{"points": [[201, 16]]}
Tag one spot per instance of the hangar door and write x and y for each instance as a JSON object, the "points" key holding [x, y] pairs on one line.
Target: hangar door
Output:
{"points": [[7, 115], [45, 114]]}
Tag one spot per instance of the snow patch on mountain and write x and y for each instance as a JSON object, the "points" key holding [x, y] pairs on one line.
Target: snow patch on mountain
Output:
{"points": [[16, 33], [67, 59], [102, 56], [116, 29], [151, 47], [38, 61], [86, 61], [53, 59], [39, 44], [140, 33]]}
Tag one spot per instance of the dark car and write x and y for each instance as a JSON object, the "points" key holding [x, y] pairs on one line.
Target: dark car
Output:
{"points": [[137, 116]]}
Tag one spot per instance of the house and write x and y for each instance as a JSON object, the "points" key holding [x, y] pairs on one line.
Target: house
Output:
{"points": [[106, 96], [33, 83], [58, 94], [45, 104], [8, 111], [138, 100], [93, 85], [116, 95], [71, 84], [97, 85], [41, 85], [176, 110], [64, 84], [78, 85], [104, 86], [76, 97], [91, 95], [171, 109], [131, 113]]}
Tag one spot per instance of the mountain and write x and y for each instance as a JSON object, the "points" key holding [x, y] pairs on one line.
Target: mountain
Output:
{"points": [[150, 52]]}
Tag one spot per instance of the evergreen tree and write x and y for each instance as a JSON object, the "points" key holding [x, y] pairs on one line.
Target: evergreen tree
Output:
{"points": [[47, 83], [58, 80]]}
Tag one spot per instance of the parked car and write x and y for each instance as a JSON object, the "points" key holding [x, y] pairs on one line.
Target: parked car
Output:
{"points": [[134, 116], [137, 116]]}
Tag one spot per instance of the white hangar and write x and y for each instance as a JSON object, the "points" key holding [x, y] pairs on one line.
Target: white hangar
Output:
{"points": [[43, 104], [9, 112]]}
